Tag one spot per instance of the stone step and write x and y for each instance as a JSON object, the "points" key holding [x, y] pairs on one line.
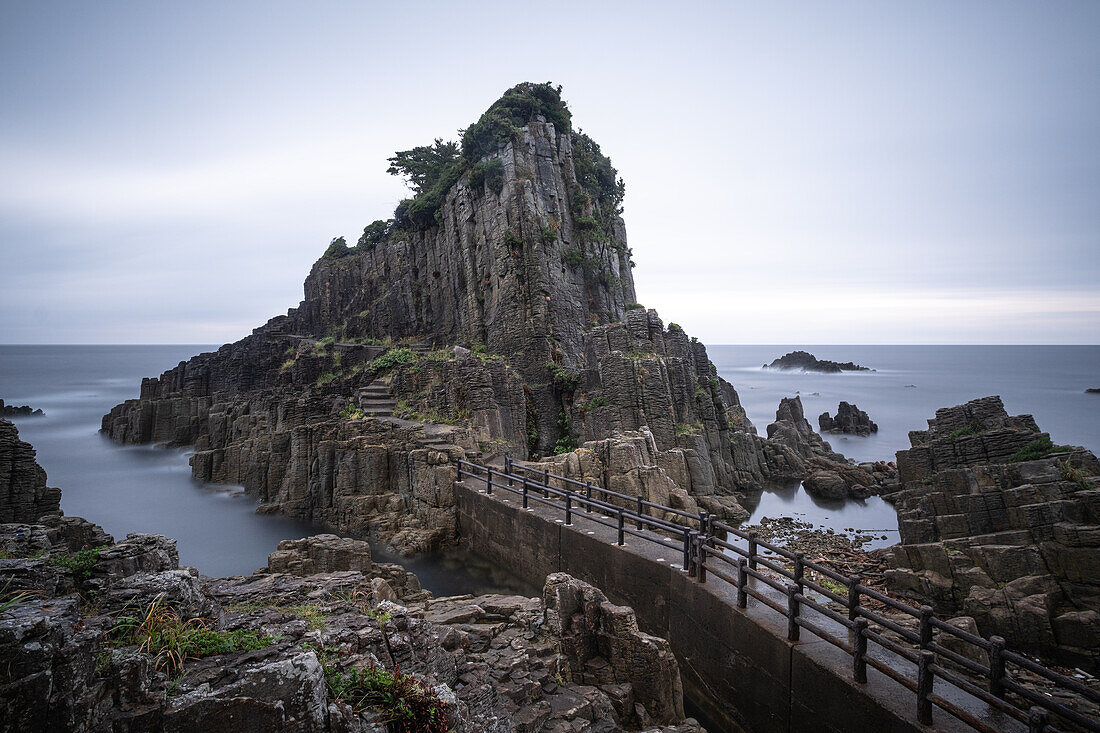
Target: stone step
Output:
{"points": [[378, 403], [377, 412], [373, 392]]}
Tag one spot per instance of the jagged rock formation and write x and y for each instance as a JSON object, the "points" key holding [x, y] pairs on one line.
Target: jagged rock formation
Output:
{"points": [[807, 362], [500, 300], [999, 524], [19, 411], [493, 663], [24, 496], [849, 419]]}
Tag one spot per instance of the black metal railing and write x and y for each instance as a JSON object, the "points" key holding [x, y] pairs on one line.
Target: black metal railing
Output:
{"points": [[707, 549]]}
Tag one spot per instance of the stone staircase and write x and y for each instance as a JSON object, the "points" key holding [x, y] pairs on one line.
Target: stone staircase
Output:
{"points": [[375, 400]]}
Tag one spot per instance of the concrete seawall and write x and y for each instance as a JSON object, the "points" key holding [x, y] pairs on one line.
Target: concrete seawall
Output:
{"points": [[736, 664]]}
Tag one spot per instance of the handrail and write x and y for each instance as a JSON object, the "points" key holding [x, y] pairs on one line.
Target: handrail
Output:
{"points": [[704, 551]]}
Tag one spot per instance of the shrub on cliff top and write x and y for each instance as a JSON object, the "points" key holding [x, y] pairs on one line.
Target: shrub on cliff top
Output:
{"points": [[337, 248], [374, 233], [1041, 447], [518, 106]]}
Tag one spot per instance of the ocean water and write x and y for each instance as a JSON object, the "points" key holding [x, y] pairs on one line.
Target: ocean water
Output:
{"points": [[908, 385], [145, 489]]}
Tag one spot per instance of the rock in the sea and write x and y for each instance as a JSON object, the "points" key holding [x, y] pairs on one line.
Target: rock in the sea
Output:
{"points": [[19, 411], [24, 496], [849, 419], [1092, 390], [807, 362]]}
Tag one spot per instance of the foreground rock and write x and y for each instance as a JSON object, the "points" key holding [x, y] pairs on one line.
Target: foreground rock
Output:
{"points": [[807, 362], [1000, 525], [571, 662], [849, 419]]}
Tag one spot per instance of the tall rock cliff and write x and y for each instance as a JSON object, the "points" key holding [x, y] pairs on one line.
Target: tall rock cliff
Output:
{"points": [[24, 496], [499, 300]]}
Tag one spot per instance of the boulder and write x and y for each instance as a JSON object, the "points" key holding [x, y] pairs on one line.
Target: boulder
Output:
{"points": [[849, 419]]}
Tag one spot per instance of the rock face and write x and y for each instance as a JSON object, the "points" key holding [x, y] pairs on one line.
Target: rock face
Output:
{"points": [[849, 419], [1006, 537], [807, 362], [24, 496], [507, 325]]}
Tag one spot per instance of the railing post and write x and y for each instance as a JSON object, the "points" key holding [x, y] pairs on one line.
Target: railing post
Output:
{"points": [[546, 483], [1037, 720], [488, 480], [752, 550], [925, 680], [853, 597], [799, 572], [693, 557], [742, 582], [792, 612], [508, 467], [524, 492], [568, 507], [925, 627], [859, 655], [997, 666], [641, 511], [704, 523], [588, 497], [701, 556], [622, 539], [687, 549]]}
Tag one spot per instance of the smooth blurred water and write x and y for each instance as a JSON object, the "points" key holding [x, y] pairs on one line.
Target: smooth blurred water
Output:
{"points": [[1048, 382], [131, 489]]}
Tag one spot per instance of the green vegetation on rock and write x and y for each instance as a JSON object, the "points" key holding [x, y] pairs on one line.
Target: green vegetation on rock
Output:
{"points": [[407, 704], [518, 106], [1041, 447], [79, 563]]}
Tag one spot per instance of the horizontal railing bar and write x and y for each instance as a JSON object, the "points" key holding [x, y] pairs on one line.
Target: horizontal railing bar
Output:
{"points": [[767, 562], [892, 646], [763, 598], [1051, 675], [893, 603], [972, 720], [1055, 707], [771, 582], [963, 634], [984, 695], [828, 572], [828, 612], [905, 633], [721, 575], [823, 634], [959, 659], [825, 591], [892, 673]]}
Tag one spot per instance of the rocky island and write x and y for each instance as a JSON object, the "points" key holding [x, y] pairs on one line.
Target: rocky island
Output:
{"points": [[849, 419], [807, 362], [19, 411], [494, 313]]}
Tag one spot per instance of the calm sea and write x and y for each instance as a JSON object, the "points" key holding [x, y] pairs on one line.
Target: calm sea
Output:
{"points": [[143, 489]]}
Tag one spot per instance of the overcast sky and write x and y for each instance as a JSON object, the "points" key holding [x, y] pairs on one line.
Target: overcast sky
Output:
{"points": [[809, 173]]}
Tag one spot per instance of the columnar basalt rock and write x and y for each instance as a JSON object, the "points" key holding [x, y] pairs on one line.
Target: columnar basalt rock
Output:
{"points": [[24, 496], [509, 313], [1007, 537]]}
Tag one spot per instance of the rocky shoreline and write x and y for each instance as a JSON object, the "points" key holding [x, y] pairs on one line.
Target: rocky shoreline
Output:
{"points": [[105, 636]]}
